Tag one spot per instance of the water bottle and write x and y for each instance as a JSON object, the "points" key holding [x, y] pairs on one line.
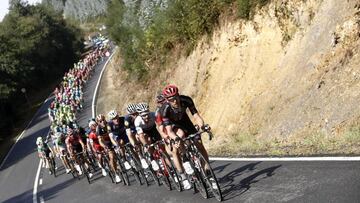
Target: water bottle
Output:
{"points": [[188, 169], [154, 165]]}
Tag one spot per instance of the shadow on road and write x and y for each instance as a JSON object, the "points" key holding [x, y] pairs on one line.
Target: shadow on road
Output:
{"points": [[24, 197], [50, 193], [24, 147], [234, 185]]}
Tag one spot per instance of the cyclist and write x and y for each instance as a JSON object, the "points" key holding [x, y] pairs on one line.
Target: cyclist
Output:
{"points": [[105, 141], [61, 148], [117, 133], [178, 124], [146, 128], [131, 131], [129, 123], [95, 145], [43, 151], [76, 145]]}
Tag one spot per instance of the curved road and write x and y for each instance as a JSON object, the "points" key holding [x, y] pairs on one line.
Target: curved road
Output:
{"points": [[246, 181]]}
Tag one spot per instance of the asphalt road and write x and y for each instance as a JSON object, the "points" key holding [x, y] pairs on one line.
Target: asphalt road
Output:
{"points": [[250, 181]]}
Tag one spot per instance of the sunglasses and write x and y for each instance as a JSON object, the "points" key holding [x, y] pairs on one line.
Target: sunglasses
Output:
{"points": [[144, 115], [172, 99]]}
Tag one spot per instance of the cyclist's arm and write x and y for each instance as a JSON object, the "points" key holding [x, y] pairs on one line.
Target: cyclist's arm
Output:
{"points": [[170, 132], [111, 135], [82, 144], [101, 141], [199, 120], [68, 147], [160, 129]]}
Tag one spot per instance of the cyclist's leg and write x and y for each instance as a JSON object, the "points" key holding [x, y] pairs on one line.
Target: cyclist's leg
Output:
{"points": [[176, 151], [112, 160]]}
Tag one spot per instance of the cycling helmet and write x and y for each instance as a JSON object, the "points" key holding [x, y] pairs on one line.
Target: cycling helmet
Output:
{"points": [[142, 107], [170, 91], [159, 98], [131, 108], [39, 141], [112, 114], [69, 131], [100, 117], [91, 123], [58, 134]]}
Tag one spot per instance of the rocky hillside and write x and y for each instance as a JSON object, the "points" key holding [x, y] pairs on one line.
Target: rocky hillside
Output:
{"points": [[79, 9], [286, 82]]}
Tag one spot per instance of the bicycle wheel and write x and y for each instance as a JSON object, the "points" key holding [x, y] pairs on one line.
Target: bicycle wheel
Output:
{"points": [[123, 174], [210, 178], [164, 171], [137, 166], [173, 174], [199, 183], [107, 168], [86, 172], [53, 165], [150, 171]]}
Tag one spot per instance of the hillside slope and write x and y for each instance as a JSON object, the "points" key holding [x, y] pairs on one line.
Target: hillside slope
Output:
{"points": [[284, 83]]}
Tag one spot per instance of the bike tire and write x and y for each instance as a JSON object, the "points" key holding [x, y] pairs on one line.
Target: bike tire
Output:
{"points": [[199, 183], [107, 168], [53, 166], [85, 172], [211, 179], [173, 174], [165, 173], [151, 171], [137, 166]]}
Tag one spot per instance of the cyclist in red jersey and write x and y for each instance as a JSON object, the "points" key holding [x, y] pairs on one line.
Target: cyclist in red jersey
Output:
{"points": [[75, 145], [95, 145], [178, 124], [105, 141]]}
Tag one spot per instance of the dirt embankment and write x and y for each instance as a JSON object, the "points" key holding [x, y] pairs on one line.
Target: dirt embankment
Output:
{"points": [[286, 82]]}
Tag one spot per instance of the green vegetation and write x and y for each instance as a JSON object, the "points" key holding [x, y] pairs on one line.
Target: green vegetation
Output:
{"points": [[246, 7], [37, 45], [173, 23]]}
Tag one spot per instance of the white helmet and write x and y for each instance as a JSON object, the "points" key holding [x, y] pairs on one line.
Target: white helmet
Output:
{"points": [[112, 114], [39, 140], [91, 123], [58, 134], [142, 107], [131, 108]]}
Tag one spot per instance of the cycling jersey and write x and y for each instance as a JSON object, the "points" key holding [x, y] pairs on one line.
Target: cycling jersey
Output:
{"points": [[44, 148], [118, 131], [74, 142], [158, 117], [129, 124], [148, 128], [178, 116], [101, 131], [95, 141]]}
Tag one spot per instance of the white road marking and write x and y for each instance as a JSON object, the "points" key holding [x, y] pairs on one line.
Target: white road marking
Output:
{"points": [[287, 159], [36, 182], [42, 199], [11, 149], [97, 85], [19, 137], [40, 181]]}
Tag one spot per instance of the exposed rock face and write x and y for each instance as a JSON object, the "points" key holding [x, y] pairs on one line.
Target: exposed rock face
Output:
{"points": [[79, 9], [292, 75], [84, 9]]}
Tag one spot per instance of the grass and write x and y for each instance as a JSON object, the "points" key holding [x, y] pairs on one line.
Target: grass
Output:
{"points": [[315, 143]]}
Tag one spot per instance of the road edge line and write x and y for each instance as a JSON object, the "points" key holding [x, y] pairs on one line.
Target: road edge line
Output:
{"points": [[287, 159], [98, 83], [36, 182], [21, 135]]}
